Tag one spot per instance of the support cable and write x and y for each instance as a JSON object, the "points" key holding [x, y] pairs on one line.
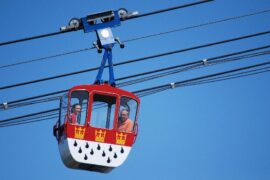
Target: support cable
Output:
{"points": [[248, 70], [139, 16], [163, 72], [139, 59], [139, 38]]}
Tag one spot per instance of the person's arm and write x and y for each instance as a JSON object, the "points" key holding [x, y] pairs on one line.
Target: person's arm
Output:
{"points": [[73, 118], [130, 126]]}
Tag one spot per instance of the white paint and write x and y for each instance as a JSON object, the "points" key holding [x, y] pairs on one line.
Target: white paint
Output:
{"points": [[72, 158]]}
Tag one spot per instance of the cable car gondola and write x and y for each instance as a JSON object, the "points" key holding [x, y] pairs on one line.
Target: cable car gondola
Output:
{"points": [[94, 141], [97, 123]]}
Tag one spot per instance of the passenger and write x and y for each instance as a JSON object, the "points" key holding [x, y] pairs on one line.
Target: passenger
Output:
{"points": [[76, 110], [125, 124]]}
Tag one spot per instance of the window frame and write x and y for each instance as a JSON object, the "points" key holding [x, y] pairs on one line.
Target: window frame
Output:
{"points": [[91, 100], [87, 109], [64, 119], [136, 114]]}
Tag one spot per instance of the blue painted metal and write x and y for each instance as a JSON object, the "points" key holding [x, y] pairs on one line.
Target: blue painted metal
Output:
{"points": [[101, 68], [89, 28], [108, 47], [111, 81], [105, 41], [107, 55]]}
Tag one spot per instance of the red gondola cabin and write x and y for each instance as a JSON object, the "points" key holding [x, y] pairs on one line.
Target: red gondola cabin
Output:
{"points": [[91, 139]]}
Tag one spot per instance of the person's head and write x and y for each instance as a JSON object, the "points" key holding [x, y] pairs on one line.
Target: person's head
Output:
{"points": [[124, 115], [76, 108]]}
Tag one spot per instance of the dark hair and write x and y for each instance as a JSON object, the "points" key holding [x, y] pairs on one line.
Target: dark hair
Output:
{"points": [[73, 107], [125, 110]]}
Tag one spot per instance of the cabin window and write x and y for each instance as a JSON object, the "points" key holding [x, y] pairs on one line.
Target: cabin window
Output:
{"points": [[127, 114], [78, 109], [103, 110], [64, 108]]}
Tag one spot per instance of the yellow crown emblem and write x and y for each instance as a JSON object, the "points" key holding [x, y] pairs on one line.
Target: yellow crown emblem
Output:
{"points": [[121, 138], [100, 135], [79, 132]]}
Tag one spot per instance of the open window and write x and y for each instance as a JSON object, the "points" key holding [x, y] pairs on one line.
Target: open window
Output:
{"points": [[79, 106], [127, 114], [64, 109], [103, 110]]}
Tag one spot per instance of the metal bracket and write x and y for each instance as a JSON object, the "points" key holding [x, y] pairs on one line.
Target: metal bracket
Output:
{"points": [[172, 85], [101, 23], [89, 22], [205, 62], [5, 105], [122, 45]]}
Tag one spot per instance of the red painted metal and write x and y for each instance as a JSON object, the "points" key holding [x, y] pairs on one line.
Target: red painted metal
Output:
{"points": [[104, 89]]}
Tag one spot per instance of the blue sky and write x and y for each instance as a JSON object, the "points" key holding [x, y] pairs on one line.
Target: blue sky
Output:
{"points": [[211, 131]]}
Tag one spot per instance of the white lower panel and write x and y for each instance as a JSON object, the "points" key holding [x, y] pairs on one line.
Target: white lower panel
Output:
{"points": [[94, 153]]}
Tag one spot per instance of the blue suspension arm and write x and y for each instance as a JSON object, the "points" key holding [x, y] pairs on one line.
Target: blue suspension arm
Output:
{"points": [[111, 81], [107, 55]]}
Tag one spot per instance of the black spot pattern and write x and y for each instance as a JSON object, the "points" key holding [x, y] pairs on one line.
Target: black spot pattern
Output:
{"points": [[91, 152], [108, 160], [110, 149], [75, 143], [109, 152], [122, 150]]}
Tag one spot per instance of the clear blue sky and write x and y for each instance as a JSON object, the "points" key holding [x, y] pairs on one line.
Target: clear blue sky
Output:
{"points": [[212, 131]]}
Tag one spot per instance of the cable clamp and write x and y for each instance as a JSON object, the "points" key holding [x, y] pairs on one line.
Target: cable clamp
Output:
{"points": [[122, 45], [205, 62], [95, 44], [5, 105], [172, 85]]}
